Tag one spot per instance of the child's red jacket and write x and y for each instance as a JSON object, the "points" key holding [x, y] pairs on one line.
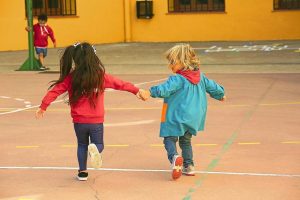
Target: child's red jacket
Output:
{"points": [[82, 111], [41, 34]]}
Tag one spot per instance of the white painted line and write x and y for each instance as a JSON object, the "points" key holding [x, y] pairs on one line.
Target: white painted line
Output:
{"points": [[224, 50], [251, 174], [18, 99], [8, 108], [153, 170], [27, 102], [4, 97], [129, 123], [18, 110], [244, 48]]}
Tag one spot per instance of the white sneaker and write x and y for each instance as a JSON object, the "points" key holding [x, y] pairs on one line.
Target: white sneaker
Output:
{"points": [[189, 171], [96, 158]]}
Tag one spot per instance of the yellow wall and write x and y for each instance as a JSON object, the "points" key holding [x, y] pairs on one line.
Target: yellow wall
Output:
{"points": [[242, 20], [97, 21], [105, 21]]}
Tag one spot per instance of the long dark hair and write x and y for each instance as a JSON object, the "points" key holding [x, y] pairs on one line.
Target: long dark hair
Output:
{"points": [[87, 75]]}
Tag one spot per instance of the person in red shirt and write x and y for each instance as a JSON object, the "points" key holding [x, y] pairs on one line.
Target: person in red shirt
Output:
{"points": [[41, 31], [85, 84]]}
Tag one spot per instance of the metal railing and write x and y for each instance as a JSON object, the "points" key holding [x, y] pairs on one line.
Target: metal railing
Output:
{"points": [[196, 5], [54, 7], [286, 4]]}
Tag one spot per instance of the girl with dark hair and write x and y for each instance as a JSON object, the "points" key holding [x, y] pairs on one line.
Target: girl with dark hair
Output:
{"points": [[85, 84]]}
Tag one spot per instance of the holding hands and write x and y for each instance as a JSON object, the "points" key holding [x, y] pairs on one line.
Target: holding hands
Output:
{"points": [[143, 94]]}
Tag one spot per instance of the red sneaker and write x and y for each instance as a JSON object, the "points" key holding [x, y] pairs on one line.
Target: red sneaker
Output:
{"points": [[177, 167]]}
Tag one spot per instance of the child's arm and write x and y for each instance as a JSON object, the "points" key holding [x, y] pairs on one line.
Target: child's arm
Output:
{"points": [[215, 90], [51, 34], [52, 94], [167, 88], [118, 84]]}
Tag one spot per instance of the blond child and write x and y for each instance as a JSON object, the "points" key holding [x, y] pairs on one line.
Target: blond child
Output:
{"points": [[185, 106]]}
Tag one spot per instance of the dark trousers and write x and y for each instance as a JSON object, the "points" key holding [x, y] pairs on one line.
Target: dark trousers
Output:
{"points": [[185, 145], [86, 133]]}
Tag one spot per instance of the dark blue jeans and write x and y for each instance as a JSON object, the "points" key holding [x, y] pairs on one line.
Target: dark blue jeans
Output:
{"points": [[41, 50], [185, 145], [85, 133]]}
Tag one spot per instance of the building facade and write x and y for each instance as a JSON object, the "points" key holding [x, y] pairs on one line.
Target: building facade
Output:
{"points": [[113, 21]]}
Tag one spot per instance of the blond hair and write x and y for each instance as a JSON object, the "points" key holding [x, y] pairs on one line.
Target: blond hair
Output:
{"points": [[185, 54]]}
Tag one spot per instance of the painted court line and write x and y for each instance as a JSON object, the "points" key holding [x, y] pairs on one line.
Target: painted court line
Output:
{"points": [[248, 143], [206, 144], [129, 123], [27, 147], [157, 145], [153, 170], [68, 145], [291, 142], [117, 145]]}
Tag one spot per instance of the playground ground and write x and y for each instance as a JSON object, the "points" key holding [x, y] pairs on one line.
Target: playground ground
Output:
{"points": [[249, 150]]}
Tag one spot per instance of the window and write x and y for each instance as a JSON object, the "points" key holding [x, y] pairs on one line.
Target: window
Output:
{"points": [[53, 7], [286, 4], [196, 5]]}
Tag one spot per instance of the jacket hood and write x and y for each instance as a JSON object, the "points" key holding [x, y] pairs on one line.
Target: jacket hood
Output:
{"points": [[192, 76]]}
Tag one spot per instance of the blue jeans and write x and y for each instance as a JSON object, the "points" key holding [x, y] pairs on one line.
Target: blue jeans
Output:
{"points": [[84, 132], [185, 145]]}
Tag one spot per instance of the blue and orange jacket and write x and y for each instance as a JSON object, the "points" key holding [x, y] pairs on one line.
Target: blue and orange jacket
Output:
{"points": [[185, 102]]}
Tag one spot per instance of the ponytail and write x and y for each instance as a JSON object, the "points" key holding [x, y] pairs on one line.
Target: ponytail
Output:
{"points": [[66, 61], [88, 73]]}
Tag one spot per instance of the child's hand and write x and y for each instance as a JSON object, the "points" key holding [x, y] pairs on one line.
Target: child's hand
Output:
{"points": [[138, 95], [143, 94], [223, 98], [39, 113], [27, 28]]}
